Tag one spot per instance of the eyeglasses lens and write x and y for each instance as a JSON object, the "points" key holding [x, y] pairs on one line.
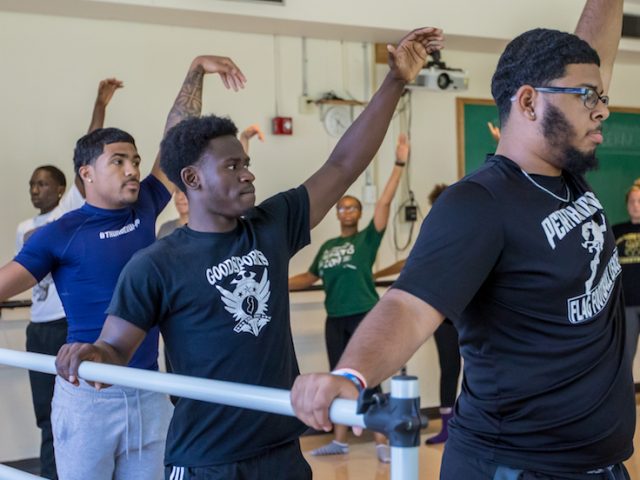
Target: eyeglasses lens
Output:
{"points": [[591, 99]]}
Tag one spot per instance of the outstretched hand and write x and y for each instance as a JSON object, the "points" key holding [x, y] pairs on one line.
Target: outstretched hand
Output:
{"points": [[248, 133], [494, 131], [402, 148], [231, 75], [410, 55], [106, 89]]}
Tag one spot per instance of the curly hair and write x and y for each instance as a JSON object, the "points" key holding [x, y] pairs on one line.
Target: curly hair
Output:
{"points": [[536, 58], [90, 147], [184, 144], [436, 192]]}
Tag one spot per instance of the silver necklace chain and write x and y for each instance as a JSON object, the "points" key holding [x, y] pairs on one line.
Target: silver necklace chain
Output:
{"points": [[565, 200]]}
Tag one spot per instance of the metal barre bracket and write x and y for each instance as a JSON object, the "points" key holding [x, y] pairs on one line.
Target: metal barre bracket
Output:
{"points": [[397, 415]]}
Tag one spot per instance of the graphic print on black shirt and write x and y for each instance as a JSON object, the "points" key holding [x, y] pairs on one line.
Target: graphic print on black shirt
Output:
{"points": [[248, 296], [585, 213], [222, 304]]}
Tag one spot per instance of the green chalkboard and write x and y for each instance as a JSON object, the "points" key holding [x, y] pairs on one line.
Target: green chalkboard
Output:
{"points": [[619, 154]]}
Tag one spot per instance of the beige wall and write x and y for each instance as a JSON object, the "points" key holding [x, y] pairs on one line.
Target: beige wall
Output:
{"points": [[51, 66]]}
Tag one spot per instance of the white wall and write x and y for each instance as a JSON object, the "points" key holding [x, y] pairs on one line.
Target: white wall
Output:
{"points": [[52, 65], [352, 20]]}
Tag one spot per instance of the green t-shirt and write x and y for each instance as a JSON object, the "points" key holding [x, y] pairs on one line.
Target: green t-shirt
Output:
{"points": [[344, 264]]}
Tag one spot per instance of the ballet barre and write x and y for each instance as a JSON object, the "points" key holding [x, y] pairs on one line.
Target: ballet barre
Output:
{"points": [[397, 414]]}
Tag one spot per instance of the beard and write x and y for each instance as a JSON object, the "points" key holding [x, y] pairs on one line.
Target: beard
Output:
{"points": [[558, 132]]}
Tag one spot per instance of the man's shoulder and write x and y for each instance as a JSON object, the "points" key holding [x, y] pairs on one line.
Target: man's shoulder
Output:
{"points": [[498, 178], [494, 168], [279, 201], [157, 255], [70, 220], [150, 183], [153, 196]]}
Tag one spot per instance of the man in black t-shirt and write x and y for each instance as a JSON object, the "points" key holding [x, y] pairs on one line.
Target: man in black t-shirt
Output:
{"points": [[217, 287], [519, 255]]}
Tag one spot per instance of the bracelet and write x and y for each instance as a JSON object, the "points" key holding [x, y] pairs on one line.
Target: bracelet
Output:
{"points": [[400, 164], [350, 374]]}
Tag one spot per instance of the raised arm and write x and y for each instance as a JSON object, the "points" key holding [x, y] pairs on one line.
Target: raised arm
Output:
{"points": [[377, 337], [601, 26], [106, 89], [117, 343], [248, 133], [359, 144], [188, 103], [383, 205]]}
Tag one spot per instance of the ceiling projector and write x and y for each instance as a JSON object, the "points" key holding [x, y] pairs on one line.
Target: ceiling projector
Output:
{"points": [[437, 76]]}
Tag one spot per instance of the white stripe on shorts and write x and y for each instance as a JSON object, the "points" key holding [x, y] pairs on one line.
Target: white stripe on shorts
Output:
{"points": [[177, 473]]}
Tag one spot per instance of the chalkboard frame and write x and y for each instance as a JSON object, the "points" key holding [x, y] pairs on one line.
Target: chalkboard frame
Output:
{"points": [[460, 104]]}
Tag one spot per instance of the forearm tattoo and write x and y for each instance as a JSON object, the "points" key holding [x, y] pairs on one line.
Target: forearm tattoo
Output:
{"points": [[189, 100]]}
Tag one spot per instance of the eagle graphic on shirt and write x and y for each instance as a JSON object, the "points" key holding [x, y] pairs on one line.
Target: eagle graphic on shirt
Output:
{"points": [[248, 301]]}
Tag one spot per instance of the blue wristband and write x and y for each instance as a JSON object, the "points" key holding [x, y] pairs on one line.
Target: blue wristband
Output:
{"points": [[352, 377]]}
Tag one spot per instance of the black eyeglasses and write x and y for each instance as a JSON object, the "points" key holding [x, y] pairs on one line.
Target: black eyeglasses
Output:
{"points": [[589, 96]]}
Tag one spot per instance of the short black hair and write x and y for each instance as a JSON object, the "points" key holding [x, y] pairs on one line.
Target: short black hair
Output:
{"points": [[536, 58], [90, 147], [352, 198], [55, 173], [184, 144]]}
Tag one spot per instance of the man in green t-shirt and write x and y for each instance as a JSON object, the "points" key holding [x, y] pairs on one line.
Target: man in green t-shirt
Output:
{"points": [[344, 264]]}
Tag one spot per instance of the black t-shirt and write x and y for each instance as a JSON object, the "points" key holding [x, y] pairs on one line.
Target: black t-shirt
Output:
{"points": [[531, 283], [222, 303], [628, 240]]}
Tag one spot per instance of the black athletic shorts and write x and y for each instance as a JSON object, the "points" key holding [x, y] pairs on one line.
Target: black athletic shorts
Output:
{"points": [[457, 466], [282, 463]]}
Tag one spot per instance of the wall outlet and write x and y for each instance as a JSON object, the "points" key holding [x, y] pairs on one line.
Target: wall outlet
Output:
{"points": [[306, 104]]}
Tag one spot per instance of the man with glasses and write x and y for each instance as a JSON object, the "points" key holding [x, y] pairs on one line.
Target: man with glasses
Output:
{"points": [[519, 255]]}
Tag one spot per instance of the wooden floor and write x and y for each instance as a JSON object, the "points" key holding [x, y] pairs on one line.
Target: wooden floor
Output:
{"points": [[361, 462]]}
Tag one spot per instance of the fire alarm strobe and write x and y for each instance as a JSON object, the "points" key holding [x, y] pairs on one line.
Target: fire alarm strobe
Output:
{"points": [[282, 125]]}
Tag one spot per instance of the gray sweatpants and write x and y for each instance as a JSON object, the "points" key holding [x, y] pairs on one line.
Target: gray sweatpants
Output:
{"points": [[117, 433]]}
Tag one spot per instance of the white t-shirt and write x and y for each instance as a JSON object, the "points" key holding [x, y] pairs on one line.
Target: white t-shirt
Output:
{"points": [[45, 303], [71, 200]]}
